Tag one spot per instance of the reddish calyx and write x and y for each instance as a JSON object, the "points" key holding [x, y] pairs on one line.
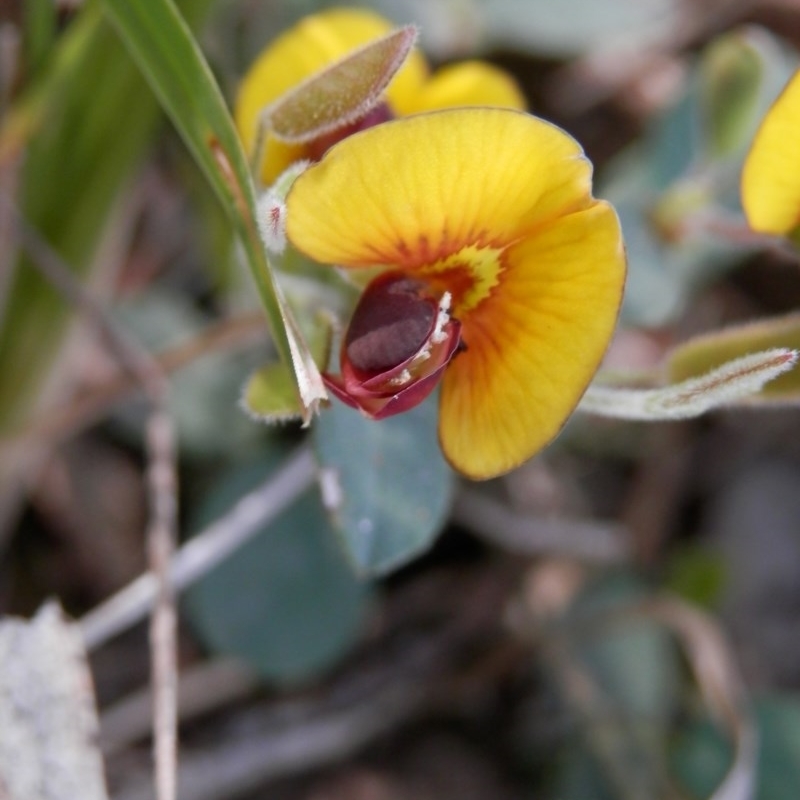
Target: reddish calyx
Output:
{"points": [[400, 339]]}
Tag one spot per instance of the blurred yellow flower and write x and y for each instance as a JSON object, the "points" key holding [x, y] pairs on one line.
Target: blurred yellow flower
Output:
{"points": [[503, 275], [771, 175], [318, 41]]}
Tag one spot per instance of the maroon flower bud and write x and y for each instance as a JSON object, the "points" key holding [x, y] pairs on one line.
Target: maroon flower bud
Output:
{"points": [[400, 339]]}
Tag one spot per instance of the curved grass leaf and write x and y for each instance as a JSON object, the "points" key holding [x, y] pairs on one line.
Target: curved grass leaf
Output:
{"points": [[85, 124], [168, 55]]}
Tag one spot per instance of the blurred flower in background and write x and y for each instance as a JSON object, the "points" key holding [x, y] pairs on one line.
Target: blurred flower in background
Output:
{"points": [[771, 175]]}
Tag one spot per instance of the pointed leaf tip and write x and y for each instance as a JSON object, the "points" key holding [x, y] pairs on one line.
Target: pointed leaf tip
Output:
{"points": [[703, 353], [734, 382], [343, 92]]}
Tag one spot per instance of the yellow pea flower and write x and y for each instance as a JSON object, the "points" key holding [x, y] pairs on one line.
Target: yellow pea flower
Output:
{"points": [[502, 275], [771, 175], [318, 41]]}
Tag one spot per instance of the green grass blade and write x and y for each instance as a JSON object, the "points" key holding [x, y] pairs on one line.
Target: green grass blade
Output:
{"points": [[39, 24], [168, 55], [85, 123], [84, 144]]}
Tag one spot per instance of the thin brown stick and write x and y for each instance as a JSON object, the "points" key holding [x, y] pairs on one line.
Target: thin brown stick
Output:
{"points": [[162, 494]]}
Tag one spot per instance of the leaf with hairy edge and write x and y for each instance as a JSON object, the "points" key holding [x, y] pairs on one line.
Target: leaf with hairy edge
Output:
{"points": [[170, 59], [706, 352], [734, 382], [268, 395], [343, 92]]}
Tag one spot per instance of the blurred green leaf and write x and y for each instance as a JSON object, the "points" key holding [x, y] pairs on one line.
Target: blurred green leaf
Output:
{"points": [[672, 176], [390, 489], [579, 776], [286, 602], [635, 662], [675, 139], [731, 72], [695, 575], [655, 190], [701, 756], [739, 75], [632, 666], [39, 23], [40, 99], [170, 58], [703, 353]]}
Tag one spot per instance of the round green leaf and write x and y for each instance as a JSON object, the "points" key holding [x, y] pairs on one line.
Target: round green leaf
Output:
{"points": [[635, 664], [390, 487], [701, 756], [287, 602]]}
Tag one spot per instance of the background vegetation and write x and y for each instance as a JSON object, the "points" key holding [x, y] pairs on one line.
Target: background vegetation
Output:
{"points": [[618, 618]]}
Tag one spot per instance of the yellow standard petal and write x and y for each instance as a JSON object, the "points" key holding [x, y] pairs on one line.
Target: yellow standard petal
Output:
{"points": [[414, 191], [495, 207], [314, 43], [470, 83], [771, 175], [533, 347]]}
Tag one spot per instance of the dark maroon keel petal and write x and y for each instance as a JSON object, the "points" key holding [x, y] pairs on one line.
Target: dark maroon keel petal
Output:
{"points": [[396, 348], [409, 398], [393, 320], [335, 386], [439, 356]]}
